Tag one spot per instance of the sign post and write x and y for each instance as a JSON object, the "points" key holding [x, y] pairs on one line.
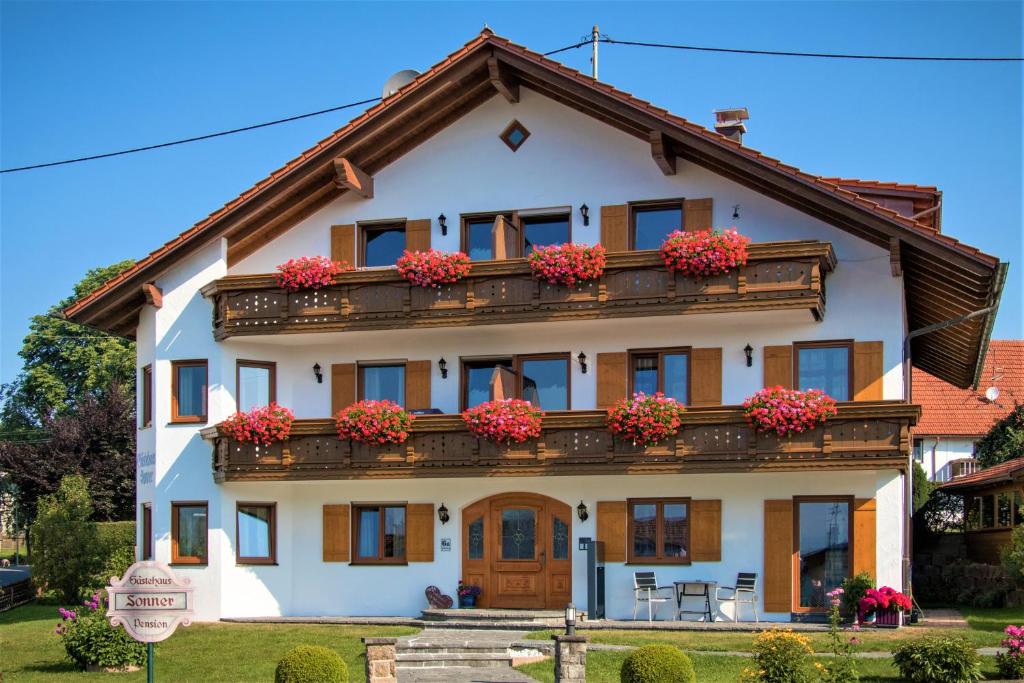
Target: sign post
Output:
{"points": [[150, 602]]}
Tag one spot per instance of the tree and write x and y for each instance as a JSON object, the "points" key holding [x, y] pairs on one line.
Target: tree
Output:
{"points": [[65, 553], [922, 487], [1004, 441]]}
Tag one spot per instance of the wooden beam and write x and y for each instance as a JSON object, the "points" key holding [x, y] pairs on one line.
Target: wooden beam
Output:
{"points": [[894, 257], [348, 176], [661, 151], [154, 295], [502, 81]]}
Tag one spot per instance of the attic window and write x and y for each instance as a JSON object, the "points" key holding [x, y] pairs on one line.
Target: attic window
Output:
{"points": [[514, 135]]}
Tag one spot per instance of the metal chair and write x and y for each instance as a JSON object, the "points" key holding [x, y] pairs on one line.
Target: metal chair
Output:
{"points": [[743, 593], [646, 589]]}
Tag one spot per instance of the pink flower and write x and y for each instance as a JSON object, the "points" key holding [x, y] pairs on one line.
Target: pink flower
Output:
{"points": [[645, 420], [788, 411], [505, 421], [567, 264], [262, 425], [704, 253], [374, 422], [433, 268], [309, 272]]}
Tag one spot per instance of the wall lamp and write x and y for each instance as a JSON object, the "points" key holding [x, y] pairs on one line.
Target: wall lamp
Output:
{"points": [[749, 350], [735, 210], [442, 365], [442, 514], [585, 212], [443, 222], [582, 358], [319, 375], [581, 512]]}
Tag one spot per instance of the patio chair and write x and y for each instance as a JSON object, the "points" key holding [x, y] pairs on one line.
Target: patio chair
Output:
{"points": [[646, 589], [743, 593]]}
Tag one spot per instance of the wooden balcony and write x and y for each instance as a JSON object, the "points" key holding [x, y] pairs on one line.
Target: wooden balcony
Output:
{"points": [[864, 435], [778, 276]]}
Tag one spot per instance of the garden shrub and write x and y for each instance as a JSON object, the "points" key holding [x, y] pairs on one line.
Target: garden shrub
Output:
{"points": [[1004, 441], [65, 550], [1012, 556], [311, 664], [780, 656], [937, 659], [116, 541], [855, 588], [657, 664], [89, 638]]}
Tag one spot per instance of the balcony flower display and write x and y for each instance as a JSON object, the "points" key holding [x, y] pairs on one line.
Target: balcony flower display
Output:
{"points": [[885, 604], [704, 253], [309, 272], [788, 411], [505, 421], [567, 264], [645, 420], [433, 268], [262, 425], [374, 422]]}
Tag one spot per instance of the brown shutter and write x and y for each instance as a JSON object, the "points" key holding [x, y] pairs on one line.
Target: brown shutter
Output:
{"points": [[697, 214], [864, 552], [336, 526], [867, 371], [615, 227], [706, 380], [505, 237], [343, 244], [417, 385], [706, 530], [612, 378], [419, 532], [778, 366], [503, 384], [417, 235], [778, 555], [343, 386], [612, 529]]}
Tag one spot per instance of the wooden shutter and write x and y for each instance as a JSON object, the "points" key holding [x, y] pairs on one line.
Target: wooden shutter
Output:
{"points": [[505, 237], [778, 555], [336, 527], [612, 529], [343, 243], [343, 386], [864, 549], [419, 532], [503, 384], [778, 366], [417, 235], [706, 530], [697, 214], [706, 380], [612, 378], [615, 227], [867, 371], [417, 385]]}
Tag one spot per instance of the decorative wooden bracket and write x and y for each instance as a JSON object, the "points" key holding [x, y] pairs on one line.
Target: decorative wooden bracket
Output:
{"points": [[894, 257], [501, 81], [154, 295], [661, 151], [348, 176]]}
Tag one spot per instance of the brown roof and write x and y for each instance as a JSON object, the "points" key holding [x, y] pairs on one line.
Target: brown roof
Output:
{"points": [[949, 411], [1004, 471]]}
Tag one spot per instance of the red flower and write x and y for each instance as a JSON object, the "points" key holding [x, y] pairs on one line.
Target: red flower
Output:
{"points": [[309, 272], [374, 422], [704, 253], [263, 425], [646, 420], [568, 263], [788, 411], [433, 268], [504, 421]]}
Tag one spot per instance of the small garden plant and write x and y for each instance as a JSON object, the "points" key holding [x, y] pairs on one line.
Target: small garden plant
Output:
{"points": [[937, 659], [854, 588], [841, 667], [657, 664], [567, 264], [780, 656], [309, 272], [374, 422], [876, 601], [788, 411], [262, 425], [1011, 662], [704, 253], [433, 268], [506, 421], [311, 664], [90, 641], [645, 420]]}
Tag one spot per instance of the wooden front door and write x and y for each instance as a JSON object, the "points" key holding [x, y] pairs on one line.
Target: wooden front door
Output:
{"points": [[516, 547]]}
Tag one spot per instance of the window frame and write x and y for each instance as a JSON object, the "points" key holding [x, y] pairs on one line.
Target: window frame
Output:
{"points": [[359, 560], [504, 135], [270, 366], [659, 557], [146, 413], [146, 511], [540, 213], [377, 226], [851, 506], [661, 352], [464, 364], [361, 380], [466, 218], [176, 365], [652, 205], [825, 344], [176, 558], [270, 559], [517, 367]]}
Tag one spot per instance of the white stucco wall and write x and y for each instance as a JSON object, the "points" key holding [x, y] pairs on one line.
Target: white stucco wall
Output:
{"points": [[939, 451]]}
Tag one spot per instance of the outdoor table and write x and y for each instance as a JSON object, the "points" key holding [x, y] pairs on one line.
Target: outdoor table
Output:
{"points": [[695, 588]]}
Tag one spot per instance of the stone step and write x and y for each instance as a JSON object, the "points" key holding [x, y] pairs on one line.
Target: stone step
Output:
{"points": [[453, 647], [448, 660], [462, 675], [496, 616]]}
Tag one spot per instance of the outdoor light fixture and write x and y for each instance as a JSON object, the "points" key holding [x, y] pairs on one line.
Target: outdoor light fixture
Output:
{"points": [[570, 620], [585, 212], [735, 210], [582, 358], [749, 350], [443, 367], [443, 221], [319, 375], [581, 512], [442, 514]]}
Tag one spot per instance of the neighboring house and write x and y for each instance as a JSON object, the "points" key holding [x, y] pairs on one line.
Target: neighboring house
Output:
{"points": [[953, 419], [993, 507], [509, 149]]}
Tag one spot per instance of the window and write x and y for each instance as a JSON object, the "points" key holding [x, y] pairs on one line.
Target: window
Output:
{"points": [[824, 555], [514, 135], [188, 533], [972, 509], [382, 245], [518, 534], [379, 534], [147, 396], [480, 377], [541, 379], [988, 512], [654, 221], [667, 371], [256, 533], [478, 234], [147, 531], [256, 382], [544, 230], [1018, 509], [659, 531], [188, 391], [919, 450], [827, 366], [382, 383], [1004, 509]]}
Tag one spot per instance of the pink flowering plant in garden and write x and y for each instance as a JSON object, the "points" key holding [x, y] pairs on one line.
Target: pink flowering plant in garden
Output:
{"points": [[90, 640], [646, 420], [309, 272], [788, 411], [433, 268], [840, 668], [567, 264], [262, 425], [1011, 663], [374, 422], [885, 598], [506, 421], [704, 253]]}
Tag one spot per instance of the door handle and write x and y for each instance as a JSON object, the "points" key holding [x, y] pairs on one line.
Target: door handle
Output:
{"points": [[543, 558]]}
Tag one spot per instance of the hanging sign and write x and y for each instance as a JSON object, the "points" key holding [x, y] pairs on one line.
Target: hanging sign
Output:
{"points": [[150, 601]]}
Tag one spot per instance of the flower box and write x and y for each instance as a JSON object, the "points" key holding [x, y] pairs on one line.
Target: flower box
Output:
{"points": [[704, 253], [567, 264], [889, 618], [433, 268], [263, 425], [509, 421], [645, 420], [788, 411], [376, 423], [309, 272]]}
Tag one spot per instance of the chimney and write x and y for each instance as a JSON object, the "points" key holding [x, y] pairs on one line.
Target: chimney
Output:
{"points": [[729, 122]]}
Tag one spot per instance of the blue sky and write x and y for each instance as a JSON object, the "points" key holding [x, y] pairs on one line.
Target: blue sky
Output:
{"points": [[81, 78]]}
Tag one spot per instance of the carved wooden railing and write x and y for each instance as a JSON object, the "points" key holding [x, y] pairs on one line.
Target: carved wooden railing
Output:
{"points": [[778, 276], [863, 435]]}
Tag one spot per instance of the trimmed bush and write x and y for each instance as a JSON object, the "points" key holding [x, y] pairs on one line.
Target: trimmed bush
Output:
{"points": [[65, 551], [311, 664], [657, 664], [780, 656], [116, 541], [937, 659]]}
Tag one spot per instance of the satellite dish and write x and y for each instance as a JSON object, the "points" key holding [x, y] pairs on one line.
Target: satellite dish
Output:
{"points": [[398, 81], [992, 393]]}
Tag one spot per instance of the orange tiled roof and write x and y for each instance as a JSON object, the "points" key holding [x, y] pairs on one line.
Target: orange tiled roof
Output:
{"points": [[995, 473], [948, 411], [881, 184]]}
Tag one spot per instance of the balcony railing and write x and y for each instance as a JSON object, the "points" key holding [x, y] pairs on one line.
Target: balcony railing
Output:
{"points": [[778, 276], [864, 435]]}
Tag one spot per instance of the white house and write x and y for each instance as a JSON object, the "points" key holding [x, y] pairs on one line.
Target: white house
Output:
{"points": [[491, 151]]}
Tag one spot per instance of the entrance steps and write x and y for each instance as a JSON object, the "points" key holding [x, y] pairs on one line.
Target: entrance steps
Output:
{"points": [[508, 619], [456, 656]]}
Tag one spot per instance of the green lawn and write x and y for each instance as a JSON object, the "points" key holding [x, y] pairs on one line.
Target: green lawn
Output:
{"points": [[992, 620], [29, 651]]}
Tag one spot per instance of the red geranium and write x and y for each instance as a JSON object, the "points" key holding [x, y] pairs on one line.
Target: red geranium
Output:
{"points": [[433, 268], [704, 253], [567, 264], [263, 425], [646, 420], [374, 422], [309, 272], [785, 411], [504, 421], [884, 598]]}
